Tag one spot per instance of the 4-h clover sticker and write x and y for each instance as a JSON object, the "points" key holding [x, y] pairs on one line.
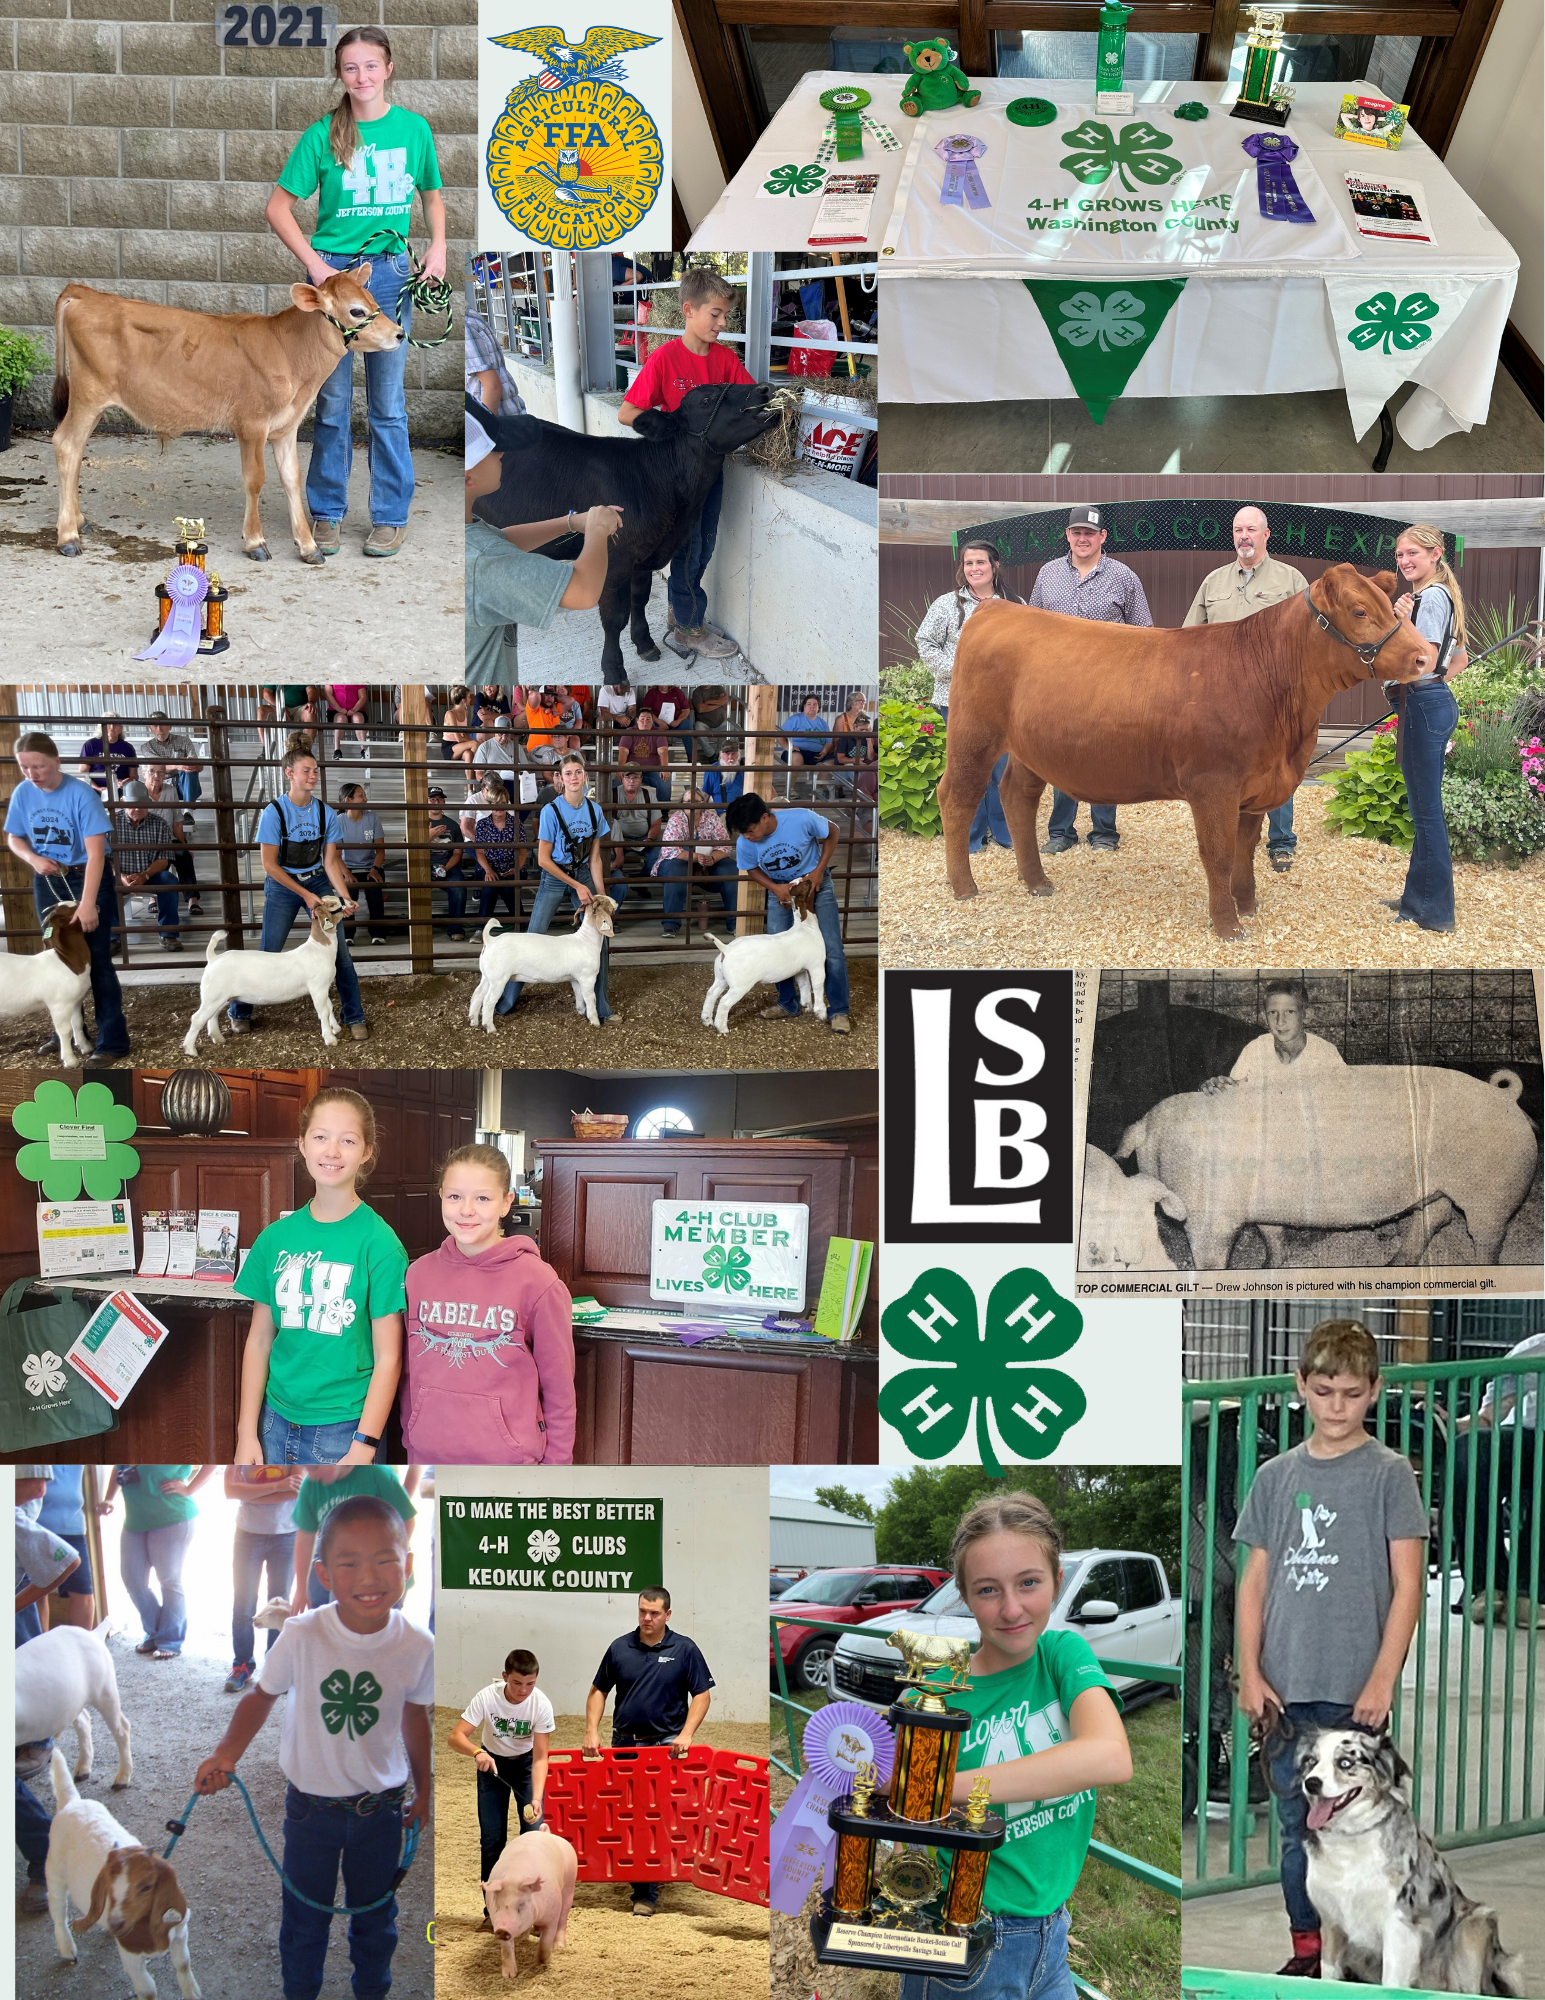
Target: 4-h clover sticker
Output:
{"points": [[1383, 322], [1140, 152], [76, 1140], [42, 1374], [543, 1546], [1114, 321], [995, 1365], [729, 1268], [795, 180], [350, 1705]]}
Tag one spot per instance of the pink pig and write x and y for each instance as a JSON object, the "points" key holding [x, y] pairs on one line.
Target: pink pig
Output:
{"points": [[531, 1888]]}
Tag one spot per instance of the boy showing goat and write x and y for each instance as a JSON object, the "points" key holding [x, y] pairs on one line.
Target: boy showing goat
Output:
{"points": [[780, 850]]}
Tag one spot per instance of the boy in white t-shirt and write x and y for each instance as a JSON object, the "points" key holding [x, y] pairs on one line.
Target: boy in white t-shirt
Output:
{"points": [[358, 1679], [513, 1720]]}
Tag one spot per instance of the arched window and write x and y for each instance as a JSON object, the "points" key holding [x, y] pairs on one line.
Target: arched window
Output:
{"points": [[664, 1118]]}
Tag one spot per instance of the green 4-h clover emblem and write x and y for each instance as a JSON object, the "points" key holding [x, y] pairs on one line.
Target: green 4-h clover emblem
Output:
{"points": [[1384, 322], [76, 1137], [1139, 152], [729, 1268], [350, 1705], [1115, 321], [996, 1365], [793, 180]]}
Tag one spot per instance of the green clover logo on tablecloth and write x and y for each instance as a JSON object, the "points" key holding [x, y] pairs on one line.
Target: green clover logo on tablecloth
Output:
{"points": [[968, 1368], [350, 1705], [1115, 321], [1383, 321], [1139, 152], [729, 1268], [43, 1374], [793, 180], [543, 1546], [58, 1121]]}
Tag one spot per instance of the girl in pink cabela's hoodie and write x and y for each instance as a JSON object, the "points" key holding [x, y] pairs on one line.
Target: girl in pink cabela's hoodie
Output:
{"points": [[488, 1371]]}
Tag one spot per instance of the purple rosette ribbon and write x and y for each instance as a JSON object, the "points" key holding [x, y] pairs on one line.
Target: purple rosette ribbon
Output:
{"points": [[962, 183], [838, 1738], [1275, 187], [177, 641]]}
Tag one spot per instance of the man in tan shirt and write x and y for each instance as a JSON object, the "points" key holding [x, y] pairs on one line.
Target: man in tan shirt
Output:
{"points": [[1237, 590]]}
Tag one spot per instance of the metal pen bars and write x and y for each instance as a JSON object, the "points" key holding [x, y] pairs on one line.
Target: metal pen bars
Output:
{"points": [[1466, 1714]]}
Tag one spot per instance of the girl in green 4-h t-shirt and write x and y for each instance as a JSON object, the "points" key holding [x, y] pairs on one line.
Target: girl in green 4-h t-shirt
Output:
{"points": [[324, 1350], [1045, 1724], [363, 163]]}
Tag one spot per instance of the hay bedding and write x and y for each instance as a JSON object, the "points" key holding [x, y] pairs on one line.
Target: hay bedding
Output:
{"points": [[699, 1946], [1146, 904]]}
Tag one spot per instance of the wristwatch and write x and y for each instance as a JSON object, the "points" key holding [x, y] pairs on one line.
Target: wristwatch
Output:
{"points": [[361, 1438]]}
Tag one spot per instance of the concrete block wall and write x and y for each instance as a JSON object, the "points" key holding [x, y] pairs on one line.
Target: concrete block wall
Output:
{"points": [[137, 157]]}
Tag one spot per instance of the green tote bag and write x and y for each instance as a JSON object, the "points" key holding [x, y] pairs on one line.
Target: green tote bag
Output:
{"points": [[43, 1401]]}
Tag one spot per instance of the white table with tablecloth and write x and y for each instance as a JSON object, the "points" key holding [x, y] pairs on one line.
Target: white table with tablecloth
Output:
{"points": [[1268, 307]]}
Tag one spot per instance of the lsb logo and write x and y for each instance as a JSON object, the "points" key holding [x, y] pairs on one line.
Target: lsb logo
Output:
{"points": [[978, 1107]]}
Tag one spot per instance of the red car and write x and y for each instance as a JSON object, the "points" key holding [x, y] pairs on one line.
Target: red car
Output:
{"points": [[842, 1597]]}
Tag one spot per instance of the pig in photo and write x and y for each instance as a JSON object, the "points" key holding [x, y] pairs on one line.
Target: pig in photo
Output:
{"points": [[531, 1889]]}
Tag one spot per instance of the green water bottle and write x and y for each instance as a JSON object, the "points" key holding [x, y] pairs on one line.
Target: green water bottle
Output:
{"points": [[1111, 55]]}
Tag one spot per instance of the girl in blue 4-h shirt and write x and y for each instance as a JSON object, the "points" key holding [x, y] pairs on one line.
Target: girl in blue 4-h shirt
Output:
{"points": [[572, 839]]}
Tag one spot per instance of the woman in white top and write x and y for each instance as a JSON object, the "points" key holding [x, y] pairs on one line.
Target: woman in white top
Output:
{"points": [[978, 580], [1433, 604]]}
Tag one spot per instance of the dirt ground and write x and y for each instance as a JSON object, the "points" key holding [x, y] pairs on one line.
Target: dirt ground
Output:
{"points": [[177, 1713], [701, 1947], [1146, 904], [85, 617], [421, 1023]]}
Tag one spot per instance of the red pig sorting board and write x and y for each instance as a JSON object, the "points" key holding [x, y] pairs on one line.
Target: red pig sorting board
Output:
{"points": [[645, 1816]]}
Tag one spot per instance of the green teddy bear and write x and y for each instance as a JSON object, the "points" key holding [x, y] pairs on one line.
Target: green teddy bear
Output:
{"points": [[935, 84]]}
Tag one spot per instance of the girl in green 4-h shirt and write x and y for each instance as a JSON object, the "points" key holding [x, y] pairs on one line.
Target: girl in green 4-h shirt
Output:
{"points": [[1046, 1725], [363, 163], [324, 1351]]}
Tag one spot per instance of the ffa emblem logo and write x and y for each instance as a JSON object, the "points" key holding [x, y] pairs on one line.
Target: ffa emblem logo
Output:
{"points": [[573, 160]]}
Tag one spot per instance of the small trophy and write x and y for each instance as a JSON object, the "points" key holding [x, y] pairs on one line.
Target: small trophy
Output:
{"points": [[1110, 59], [918, 1908], [1260, 99], [193, 553]]}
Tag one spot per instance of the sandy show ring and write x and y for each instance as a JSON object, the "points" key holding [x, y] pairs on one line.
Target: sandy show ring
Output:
{"points": [[1146, 904]]}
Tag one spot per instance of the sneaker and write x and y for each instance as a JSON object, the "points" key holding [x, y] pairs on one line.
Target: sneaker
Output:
{"points": [[171, 944], [708, 644], [642, 1908], [328, 536], [377, 938], [775, 1013], [1103, 846], [611, 1020], [838, 1023], [456, 937], [239, 1679], [1479, 1604], [1059, 846], [385, 541], [1281, 863]]}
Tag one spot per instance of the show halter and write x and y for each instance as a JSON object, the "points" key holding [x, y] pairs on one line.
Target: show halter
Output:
{"points": [[430, 295], [1366, 653]]}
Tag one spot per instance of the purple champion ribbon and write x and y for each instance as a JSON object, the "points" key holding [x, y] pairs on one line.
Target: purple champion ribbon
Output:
{"points": [[1274, 183], [960, 154], [178, 640]]}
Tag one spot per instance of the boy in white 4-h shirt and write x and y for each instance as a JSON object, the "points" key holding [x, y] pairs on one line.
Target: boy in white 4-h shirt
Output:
{"points": [[359, 1685], [506, 1727]]}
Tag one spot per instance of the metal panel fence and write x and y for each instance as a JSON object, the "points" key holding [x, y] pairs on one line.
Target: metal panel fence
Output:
{"points": [[1466, 1711]]}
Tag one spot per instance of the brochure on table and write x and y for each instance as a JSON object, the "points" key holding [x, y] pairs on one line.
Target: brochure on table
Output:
{"points": [[116, 1346]]}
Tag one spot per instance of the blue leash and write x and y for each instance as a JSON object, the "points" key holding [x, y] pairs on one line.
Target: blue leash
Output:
{"points": [[178, 1827]]}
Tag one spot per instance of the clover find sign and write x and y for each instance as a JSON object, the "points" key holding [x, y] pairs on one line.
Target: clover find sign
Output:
{"points": [[554, 1546], [725, 1256]]}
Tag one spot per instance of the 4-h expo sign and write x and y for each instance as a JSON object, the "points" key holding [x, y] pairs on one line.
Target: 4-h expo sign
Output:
{"points": [[723, 1254], [506, 1543]]}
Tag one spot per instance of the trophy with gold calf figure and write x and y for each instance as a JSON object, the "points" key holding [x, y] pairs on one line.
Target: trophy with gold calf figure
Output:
{"points": [[1261, 98], [190, 605], [917, 1907]]}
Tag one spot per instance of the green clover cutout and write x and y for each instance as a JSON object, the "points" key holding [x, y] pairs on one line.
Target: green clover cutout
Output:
{"points": [[729, 1268], [794, 180], [1383, 321], [60, 1176], [997, 1365], [1115, 321], [1140, 152], [350, 1704]]}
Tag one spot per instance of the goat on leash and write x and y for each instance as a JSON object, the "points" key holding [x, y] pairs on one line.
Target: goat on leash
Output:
{"points": [[55, 979], [271, 976], [536, 958], [799, 953]]}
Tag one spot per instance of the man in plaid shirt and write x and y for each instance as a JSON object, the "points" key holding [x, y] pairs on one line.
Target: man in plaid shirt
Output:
{"points": [[143, 852], [1087, 583]]}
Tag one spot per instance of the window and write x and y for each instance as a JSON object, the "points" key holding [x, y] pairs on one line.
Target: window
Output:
{"points": [[665, 1118], [1144, 1588], [1102, 1581]]}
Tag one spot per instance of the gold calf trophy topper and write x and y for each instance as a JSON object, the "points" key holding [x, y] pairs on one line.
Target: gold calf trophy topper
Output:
{"points": [[923, 1653], [865, 1780], [190, 531], [976, 1805]]}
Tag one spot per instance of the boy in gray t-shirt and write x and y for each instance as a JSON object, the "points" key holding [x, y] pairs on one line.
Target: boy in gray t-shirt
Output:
{"points": [[1333, 1585]]}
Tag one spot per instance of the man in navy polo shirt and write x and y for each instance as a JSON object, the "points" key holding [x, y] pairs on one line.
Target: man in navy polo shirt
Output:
{"points": [[662, 1683]]}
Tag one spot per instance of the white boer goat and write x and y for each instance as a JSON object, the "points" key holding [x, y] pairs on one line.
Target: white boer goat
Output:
{"points": [[799, 953], [270, 975], [574, 956], [55, 980], [58, 1677]]}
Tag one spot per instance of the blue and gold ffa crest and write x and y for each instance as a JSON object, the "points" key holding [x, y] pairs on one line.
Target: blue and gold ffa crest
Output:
{"points": [[574, 161]]}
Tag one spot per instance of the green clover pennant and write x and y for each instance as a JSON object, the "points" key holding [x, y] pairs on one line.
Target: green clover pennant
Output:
{"points": [[970, 1368], [795, 180], [1114, 321], [729, 1268], [1383, 321], [62, 1161], [350, 1704], [1141, 153]]}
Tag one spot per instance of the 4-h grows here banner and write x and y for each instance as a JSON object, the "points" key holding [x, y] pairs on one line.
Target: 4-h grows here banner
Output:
{"points": [[1386, 331], [552, 1546]]}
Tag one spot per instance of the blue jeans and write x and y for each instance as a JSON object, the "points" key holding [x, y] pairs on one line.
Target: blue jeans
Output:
{"points": [[551, 896], [492, 895], [510, 1774], [1515, 1533], [166, 900], [332, 441], [1064, 812], [1280, 837], [989, 814], [673, 874], [163, 1550], [1028, 1961], [32, 1824], [455, 893], [285, 1443], [780, 917], [250, 1555], [688, 599], [280, 909], [1293, 1807], [106, 995], [1428, 896], [318, 1835], [187, 787]]}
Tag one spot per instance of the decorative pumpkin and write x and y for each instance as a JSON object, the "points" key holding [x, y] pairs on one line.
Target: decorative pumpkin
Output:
{"points": [[195, 1102]]}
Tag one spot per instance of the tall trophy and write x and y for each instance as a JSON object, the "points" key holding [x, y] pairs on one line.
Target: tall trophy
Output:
{"points": [[917, 1907], [192, 553], [1262, 100]]}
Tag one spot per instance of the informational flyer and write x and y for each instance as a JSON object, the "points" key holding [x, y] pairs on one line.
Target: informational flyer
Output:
{"points": [[154, 1243], [84, 1238], [1391, 210], [215, 1254], [116, 1346], [843, 216], [182, 1252]]}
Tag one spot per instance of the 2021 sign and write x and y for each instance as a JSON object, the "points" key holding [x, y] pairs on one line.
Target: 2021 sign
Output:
{"points": [[265, 27]]}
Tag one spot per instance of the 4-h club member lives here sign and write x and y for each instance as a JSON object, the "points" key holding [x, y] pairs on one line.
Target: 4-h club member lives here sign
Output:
{"points": [[729, 1254], [553, 1546]]}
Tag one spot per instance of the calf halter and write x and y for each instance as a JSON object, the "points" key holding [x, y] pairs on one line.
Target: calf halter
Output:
{"points": [[424, 294], [1367, 654]]}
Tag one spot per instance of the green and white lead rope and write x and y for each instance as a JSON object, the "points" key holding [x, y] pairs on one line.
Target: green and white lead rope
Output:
{"points": [[427, 295]]}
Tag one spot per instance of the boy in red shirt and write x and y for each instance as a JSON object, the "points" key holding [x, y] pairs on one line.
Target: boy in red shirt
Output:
{"points": [[693, 362]]}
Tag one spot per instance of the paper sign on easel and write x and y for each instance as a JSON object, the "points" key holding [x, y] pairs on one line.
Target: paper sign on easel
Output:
{"points": [[728, 1256]]}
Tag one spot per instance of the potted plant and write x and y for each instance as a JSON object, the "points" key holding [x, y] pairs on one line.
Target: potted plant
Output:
{"points": [[20, 359]]}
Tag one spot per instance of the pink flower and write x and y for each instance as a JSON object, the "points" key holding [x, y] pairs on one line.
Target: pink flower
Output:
{"points": [[925, 729]]}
